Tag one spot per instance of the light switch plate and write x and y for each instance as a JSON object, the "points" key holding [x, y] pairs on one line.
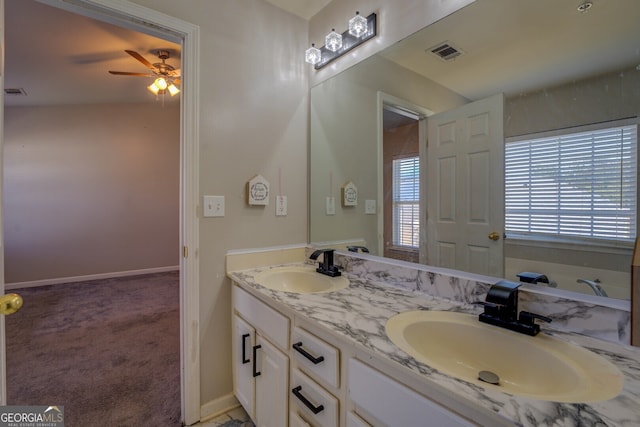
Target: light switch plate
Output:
{"points": [[370, 207], [281, 205], [213, 206]]}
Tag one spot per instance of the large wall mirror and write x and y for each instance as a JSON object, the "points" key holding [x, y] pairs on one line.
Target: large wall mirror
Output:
{"points": [[550, 71]]}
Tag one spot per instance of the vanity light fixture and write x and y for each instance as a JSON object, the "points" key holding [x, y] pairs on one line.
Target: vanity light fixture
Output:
{"points": [[360, 30], [313, 55], [358, 25], [333, 41]]}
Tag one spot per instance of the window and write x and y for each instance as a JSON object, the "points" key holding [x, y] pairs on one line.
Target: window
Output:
{"points": [[406, 202], [579, 185]]}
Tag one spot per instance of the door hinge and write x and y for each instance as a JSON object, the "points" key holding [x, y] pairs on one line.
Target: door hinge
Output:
{"points": [[185, 251]]}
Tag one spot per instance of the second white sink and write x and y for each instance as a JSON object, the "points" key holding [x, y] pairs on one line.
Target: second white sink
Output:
{"points": [[542, 367], [299, 279]]}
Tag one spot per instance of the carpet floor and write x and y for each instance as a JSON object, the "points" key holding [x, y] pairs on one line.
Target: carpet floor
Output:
{"points": [[107, 350]]}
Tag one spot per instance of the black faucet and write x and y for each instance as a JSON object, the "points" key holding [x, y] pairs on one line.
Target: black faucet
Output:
{"points": [[501, 309], [355, 249], [326, 266]]}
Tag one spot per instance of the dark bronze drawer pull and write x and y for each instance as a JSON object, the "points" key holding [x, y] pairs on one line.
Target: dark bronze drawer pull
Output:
{"points": [[244, 349], [314, 409], [315, 360], [255, 359]]}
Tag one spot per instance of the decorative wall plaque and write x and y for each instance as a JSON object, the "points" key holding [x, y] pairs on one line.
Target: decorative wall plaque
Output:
{"points": [[349, 194], [258, 191]]}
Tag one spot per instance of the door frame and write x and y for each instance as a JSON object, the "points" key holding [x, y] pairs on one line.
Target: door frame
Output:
{"points": [[385, 99], [142, 19]]}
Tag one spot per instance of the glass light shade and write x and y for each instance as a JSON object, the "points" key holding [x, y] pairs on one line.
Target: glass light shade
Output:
{"points": [[313, 55], [333, 41], [358, 26], [161, 83], [153, 89], [173, 90]]}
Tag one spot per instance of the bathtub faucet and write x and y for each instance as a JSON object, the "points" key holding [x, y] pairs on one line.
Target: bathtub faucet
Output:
{"points": [[595, 285]]}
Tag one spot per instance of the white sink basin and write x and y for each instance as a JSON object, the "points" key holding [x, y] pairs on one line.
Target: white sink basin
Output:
{"points": [[300, 280], [541, 367]]}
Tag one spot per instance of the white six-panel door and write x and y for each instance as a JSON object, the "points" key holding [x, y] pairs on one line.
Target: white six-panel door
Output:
{"points": [[465, 196]]}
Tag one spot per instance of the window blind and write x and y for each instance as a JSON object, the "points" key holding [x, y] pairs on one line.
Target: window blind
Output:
{"points": [[578, 185], [406, 202]]}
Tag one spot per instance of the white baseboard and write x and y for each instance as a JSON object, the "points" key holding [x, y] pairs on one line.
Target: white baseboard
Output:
{"points": [[56, 281], [218, 406]]}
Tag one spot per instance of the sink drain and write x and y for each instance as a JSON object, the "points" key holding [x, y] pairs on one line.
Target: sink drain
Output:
{"points": [[489, 377]]}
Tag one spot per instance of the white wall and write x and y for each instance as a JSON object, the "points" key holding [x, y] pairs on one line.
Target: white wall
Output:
{"points": [[90, 189], [254, 120]]}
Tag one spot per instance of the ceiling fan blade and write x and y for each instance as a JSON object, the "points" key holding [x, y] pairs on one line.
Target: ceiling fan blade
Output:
{"points": [[176, 82], [140, 58], [126, 73]]}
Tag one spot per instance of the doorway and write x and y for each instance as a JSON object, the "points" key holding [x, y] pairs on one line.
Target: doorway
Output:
{"points": [[169, 28]]}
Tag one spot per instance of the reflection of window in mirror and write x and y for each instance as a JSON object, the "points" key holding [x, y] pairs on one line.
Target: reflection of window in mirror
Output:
{"points": [[577, 185], [406, 203], [401, 180]]}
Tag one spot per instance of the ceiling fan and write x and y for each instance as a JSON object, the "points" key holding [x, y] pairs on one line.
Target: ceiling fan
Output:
{"points": [[167, 77]]}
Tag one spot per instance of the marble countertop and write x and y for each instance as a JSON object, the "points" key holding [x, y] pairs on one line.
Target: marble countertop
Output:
{"points": [[359, 314]]}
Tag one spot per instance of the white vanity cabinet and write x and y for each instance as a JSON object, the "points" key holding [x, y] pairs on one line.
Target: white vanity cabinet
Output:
{"points": [[315, 379], [305, 376], [260, 363]]}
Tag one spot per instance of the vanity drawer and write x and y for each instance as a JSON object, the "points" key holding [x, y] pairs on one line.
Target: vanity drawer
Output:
{"points": [[316, 357], [392, 403], [266, 320], [296, 420], [312, 401]]}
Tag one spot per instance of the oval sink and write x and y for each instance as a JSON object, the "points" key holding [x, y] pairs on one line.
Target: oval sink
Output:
{"points": [[541, 367], [300, 280]]}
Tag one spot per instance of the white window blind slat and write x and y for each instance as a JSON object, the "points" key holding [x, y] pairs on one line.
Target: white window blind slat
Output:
{"points": [[581, 184], [406, 202]]}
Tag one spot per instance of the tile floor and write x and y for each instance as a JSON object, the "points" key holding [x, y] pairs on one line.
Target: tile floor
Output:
{"points": [[235, 418]]}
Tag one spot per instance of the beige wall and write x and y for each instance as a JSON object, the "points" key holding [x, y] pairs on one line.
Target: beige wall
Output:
{"points": [[254, 108], [254, 103], [90, 190], [344, 141]]}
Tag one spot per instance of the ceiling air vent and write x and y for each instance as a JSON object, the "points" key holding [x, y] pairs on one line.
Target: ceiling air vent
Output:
{"points": [[445, 51], [15, 92]]}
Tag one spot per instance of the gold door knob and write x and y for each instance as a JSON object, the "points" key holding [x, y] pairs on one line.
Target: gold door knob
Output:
{"points": [[10, 303], [494, 235]]}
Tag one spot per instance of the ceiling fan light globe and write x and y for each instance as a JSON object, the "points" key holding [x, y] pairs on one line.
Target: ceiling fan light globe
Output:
{"points": [[173, 90], [161, 83], [153, 88]]}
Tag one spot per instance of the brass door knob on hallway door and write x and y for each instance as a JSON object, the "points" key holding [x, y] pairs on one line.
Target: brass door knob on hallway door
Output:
{"points": [[10, 303], [494, 235]]}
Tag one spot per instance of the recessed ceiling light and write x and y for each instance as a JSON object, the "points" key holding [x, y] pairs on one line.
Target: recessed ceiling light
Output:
{"points": [[584, 7]]}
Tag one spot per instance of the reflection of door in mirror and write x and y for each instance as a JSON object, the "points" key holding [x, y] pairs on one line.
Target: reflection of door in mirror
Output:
{"points": [[401, 183], [465, 179]]}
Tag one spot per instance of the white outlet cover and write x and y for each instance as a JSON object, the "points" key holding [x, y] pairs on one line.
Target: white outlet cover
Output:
{"points": [[370, 207], [331, 205], [281, 205]]}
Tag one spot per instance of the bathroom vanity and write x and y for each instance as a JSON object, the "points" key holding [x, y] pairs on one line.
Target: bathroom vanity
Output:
{"points": [[324, 358]]}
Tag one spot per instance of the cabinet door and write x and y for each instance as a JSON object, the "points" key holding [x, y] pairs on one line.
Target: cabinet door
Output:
{"points": [[272, 385], [243, 381]]}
